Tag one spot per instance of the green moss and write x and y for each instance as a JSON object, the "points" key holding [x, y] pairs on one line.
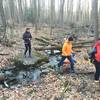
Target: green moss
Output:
{"points": [[86, 57], [35, 61]]}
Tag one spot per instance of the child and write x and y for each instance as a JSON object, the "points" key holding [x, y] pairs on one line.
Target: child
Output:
{"points": [[27, 41], [94, 56], [66, 53]]}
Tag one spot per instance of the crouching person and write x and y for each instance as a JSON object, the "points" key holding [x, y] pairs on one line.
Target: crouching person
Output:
{"points": [[94, 56], [66, 53], [27, 41]]}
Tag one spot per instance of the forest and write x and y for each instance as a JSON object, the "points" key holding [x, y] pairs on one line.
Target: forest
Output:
{"points": [[41, 28]]}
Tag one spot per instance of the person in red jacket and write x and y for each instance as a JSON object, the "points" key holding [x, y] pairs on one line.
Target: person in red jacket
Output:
{"points": [[94, 56]]}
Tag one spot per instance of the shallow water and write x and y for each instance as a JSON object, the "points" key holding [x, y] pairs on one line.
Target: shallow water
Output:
{"points": [[26, 76]]}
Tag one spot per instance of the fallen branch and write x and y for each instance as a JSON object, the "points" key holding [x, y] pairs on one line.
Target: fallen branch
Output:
{"points": [[44, 41], [84, 42], [3, 54], [58, 47], [92, 72]]}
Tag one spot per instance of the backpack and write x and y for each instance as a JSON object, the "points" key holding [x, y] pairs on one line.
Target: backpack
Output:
{"points": [[97, 54]]}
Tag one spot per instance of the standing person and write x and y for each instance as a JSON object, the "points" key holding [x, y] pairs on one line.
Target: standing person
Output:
{"points": [[27, 41], [94, 56], [66, 53]]}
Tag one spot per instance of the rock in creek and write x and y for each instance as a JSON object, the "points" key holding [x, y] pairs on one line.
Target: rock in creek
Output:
{"points": [[2, 76], [34, 61]]}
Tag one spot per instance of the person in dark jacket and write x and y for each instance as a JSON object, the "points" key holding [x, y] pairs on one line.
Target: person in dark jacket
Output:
{"points": [[27, 41]]}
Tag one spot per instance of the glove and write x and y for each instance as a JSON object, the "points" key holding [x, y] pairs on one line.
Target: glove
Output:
{"points": [[91, 61], [73, 54]]}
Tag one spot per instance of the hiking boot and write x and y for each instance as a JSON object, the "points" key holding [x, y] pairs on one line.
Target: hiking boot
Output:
{"points": [[58, 69], [30, 56], [97, 85], [72, 71], [24, 56]]}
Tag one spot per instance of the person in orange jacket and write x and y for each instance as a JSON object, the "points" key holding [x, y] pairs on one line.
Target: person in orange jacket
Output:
{"points": [[66, 53]]}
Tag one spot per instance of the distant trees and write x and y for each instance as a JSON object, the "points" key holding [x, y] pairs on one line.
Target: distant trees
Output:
{"points": [[51, 13]]}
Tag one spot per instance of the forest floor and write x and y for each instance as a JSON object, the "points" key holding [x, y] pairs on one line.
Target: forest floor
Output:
{"points": [[51, 86]]}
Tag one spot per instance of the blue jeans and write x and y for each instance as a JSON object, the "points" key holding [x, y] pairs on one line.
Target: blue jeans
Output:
{"points": [[97, 73], [69, 58]]}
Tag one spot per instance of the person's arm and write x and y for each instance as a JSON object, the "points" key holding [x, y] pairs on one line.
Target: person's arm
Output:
{"points": [[72, 51], [30, 36], [23, 36], [92, 54], [93, 51], [64, 49]]}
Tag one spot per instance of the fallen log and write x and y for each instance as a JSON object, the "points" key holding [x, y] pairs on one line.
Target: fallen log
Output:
{"points": [[3, 54], [84, 42], [46, 42], [92, 72], [58, 47], [42, 40], [45, 38]]}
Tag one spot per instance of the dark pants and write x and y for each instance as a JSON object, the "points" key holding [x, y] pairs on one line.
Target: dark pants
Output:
{"points": [[97, 73], [69, 58], [27, 47]]}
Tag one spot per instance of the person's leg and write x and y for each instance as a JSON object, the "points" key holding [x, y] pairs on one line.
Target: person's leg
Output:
{"points": [[26, 49], [71, 62], [29, 49], [62, 61], [58, 68], [97, 73]]}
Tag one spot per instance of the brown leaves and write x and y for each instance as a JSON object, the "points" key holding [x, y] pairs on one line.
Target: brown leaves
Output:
{"points": [[6, 55]]}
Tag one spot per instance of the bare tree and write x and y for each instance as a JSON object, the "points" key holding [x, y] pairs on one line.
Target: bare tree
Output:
{"points": [[3, 18], [52, 16], [21, 20], [34, 13], [95, 17], [62, 2], [12, 11]]}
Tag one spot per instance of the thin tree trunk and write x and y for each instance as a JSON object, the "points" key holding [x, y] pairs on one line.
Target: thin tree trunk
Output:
{"points": [[62, 2], [95, 18], [52, 16], [3, 18], [20, 12]]}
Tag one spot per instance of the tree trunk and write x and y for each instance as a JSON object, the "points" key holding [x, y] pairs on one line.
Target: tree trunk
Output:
{"points": [[20, 12], [95, 18], [62, 2], [34, 14], [12, 10], [39, 10], [3, 18], [52, 16]]}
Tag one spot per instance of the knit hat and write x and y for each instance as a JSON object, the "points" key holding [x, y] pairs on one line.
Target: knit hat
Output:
{"points": [[70, 38]]}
